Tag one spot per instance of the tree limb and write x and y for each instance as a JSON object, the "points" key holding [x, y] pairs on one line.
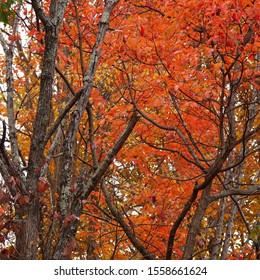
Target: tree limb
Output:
{"points": [[128, 231]]}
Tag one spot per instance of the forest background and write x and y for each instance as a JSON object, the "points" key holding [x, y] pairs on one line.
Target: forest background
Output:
{"points": [[130, 129]]}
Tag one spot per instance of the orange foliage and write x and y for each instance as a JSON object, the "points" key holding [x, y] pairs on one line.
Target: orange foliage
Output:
{"points": [[179, 64]]}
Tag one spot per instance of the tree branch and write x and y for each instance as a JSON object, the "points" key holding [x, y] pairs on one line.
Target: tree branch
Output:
{"points": [[81, 106], [251, 191], [40, 12], [128, 231], [92, 183]]}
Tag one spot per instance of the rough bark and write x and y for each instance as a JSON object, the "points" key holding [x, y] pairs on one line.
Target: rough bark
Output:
{"points": [[195, 224], [219, 231], [228, 237], [68, 232], [27, 239], [8, 48], [65, 199]]}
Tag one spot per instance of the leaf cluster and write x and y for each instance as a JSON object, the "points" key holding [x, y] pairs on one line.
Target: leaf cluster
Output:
{"points": [[6, 11]]}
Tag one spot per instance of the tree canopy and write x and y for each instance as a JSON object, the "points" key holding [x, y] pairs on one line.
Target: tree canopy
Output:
{"points": [[130, 129]]}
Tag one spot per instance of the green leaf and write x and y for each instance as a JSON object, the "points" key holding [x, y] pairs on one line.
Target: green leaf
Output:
{"points": [[255, 234], [6, 11]]}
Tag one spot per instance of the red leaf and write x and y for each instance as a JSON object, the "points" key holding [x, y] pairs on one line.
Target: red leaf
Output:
{"points": [[24, 199], [37, 49], [72, 188], [68, 219], [2, 211], [234, 17], [32, 32], [42, 185], [14, 37], [142, 31]]}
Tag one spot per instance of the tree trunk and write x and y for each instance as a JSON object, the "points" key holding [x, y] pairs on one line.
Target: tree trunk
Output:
{"points": [[218, 231], [29, 214], [195, 224], [27, 238]]}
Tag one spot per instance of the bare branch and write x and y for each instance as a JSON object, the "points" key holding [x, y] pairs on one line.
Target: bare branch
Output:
{"points": [[40, 12], [110, 156], [81, 105], [253, 190], [127, 229]]}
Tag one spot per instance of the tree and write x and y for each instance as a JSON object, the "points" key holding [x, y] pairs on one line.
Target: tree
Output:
{"points": [[130, 130]]}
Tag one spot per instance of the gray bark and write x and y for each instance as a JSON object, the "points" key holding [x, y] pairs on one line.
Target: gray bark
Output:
{"points": [[65, 200], [84, 189], [27, 240], [228, 235], [196, 223], [219, 231]]}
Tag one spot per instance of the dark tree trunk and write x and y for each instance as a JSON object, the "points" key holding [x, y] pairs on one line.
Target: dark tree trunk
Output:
{"points": [[196, 224], [27, 238]]}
